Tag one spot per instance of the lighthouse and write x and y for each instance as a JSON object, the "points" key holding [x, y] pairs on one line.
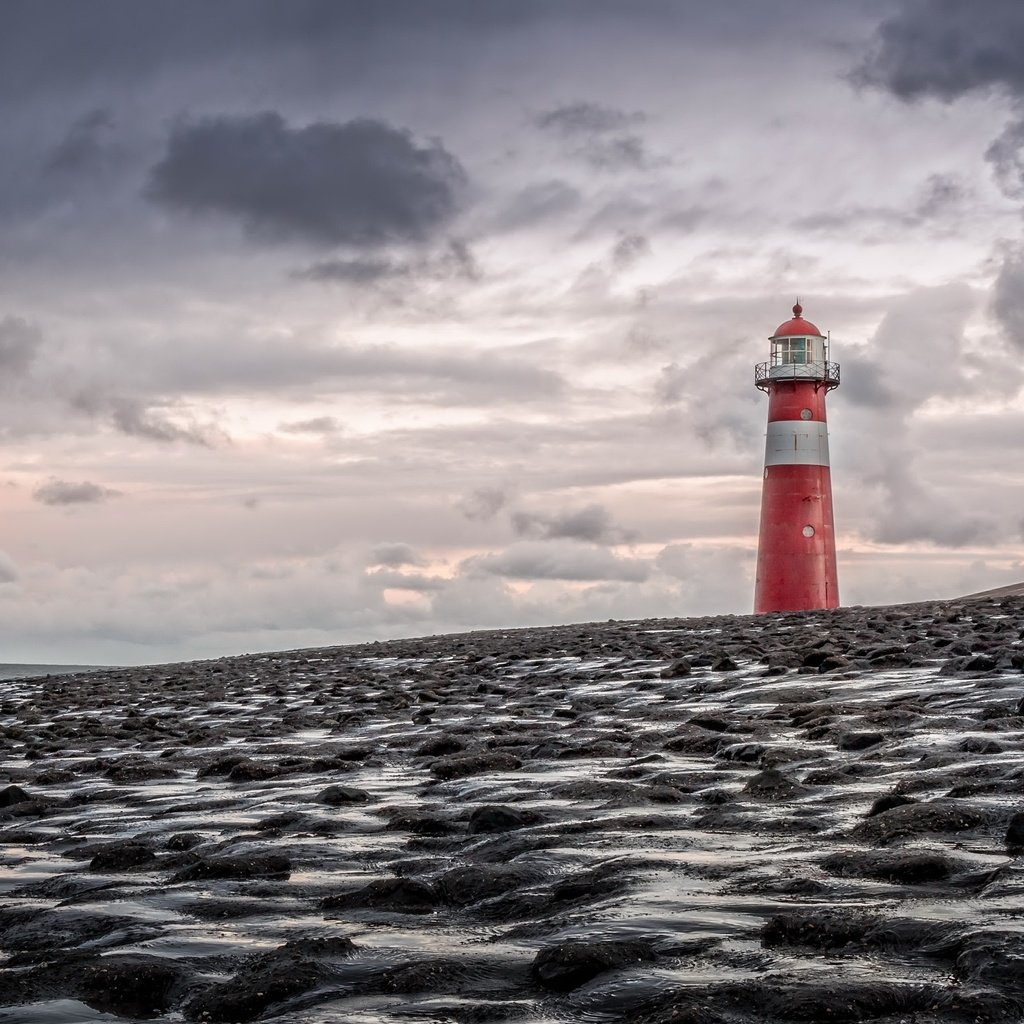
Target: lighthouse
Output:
{"points": [[796, 549]]}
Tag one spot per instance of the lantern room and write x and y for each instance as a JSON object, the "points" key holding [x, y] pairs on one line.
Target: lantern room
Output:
{"points": [[799, 351]]}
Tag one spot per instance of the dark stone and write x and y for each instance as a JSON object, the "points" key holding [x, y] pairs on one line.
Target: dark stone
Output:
{"points": [[336, 796], [183, 841], [118, 856], [248, 770], [269, 979], [1015, 832], [859, 740], [473, 883], [568, 965], [905, 868], [474, 764], [135, 986], [886, 803], [678, 669], [11, 795], [914, 819], [255, 865], [771, 784], [495, 818], [403, 895]]}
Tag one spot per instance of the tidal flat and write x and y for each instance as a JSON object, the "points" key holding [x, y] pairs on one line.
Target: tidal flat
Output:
{"points": [[723, 820]]}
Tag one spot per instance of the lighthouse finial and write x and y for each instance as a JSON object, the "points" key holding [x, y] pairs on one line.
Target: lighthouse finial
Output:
{"points": [[797, 308]]}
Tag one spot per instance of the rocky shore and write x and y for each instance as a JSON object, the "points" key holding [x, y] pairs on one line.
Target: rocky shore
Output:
{"points": [[806, 817]]}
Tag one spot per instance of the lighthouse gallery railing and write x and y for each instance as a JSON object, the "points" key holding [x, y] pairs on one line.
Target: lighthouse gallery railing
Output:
{"points": [[826, 374]]}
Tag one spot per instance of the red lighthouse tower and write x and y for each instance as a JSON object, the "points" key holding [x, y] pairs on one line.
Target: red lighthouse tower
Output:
{"points": [[796, 551]]}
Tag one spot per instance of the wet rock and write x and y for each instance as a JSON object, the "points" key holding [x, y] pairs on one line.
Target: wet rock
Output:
{"points": [[771, 784], [402, 895], [460, 767], [887, 803], [244, 866], [248, 770], [32, 929], [678, 669], [11, 795], [338, 796], [497, 818], [266, 981], [568, 965], [920, 818], [859, 740], [131, 986], [904, 868], [474, 883], [1015, 833], [119, 856]]}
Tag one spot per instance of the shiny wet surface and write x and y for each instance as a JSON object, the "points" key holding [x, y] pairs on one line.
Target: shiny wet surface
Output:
{"points": [[686, 799]]}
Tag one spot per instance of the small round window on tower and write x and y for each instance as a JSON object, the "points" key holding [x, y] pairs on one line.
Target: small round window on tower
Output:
{"points": [[805, 414], [808, 531]]}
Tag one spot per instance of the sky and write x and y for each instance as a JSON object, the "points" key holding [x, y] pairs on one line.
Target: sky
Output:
{"points": [[329, 320]]}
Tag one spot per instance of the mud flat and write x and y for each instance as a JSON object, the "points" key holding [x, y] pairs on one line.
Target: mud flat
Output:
{"points": [[812, 817]]}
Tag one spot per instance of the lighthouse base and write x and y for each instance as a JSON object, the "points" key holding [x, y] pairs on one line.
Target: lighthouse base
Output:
{"points": [[796, 555]]}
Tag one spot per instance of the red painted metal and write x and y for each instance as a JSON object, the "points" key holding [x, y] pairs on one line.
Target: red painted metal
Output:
{"points": [[796, 555]]}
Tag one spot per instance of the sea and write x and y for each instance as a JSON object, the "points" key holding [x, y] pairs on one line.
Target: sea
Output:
{"points": [[23, 671]]}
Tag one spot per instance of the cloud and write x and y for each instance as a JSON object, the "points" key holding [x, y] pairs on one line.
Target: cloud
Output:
{"points": [[558, 560], [394, 556], [84, 147], [583, 119], [484, 503], [19, 344], [316, 425], [591, 523], [417, 582], [63, 492], [135, 419], [1005, 156], [8, 570], [940, 196], [360, 183], [628, 249], [946, 49], [1008, 298], [598, 135], [455, 262]]}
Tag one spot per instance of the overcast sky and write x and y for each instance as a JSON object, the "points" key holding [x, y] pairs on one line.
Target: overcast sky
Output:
{"points": [[326, 320]]}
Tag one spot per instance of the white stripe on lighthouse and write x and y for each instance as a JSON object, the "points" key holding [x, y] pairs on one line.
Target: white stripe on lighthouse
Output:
{"points": [[796, 443]]}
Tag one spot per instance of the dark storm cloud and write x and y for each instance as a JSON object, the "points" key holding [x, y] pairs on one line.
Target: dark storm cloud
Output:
{"points": [[50, 44], [946, 48], [64, 492], [591, 523], [359, 183]]}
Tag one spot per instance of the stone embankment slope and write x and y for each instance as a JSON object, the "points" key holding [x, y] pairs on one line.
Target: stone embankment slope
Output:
{"points": [[811, 817]]}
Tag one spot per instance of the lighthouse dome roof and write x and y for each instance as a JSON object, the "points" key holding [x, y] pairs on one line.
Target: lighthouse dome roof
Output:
{"points": [[797, 326]]}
